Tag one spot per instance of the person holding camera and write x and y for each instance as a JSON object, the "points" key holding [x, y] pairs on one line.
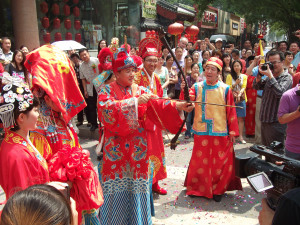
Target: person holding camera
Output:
{"points": [[287, 210], [277, 82], [289, 113]]}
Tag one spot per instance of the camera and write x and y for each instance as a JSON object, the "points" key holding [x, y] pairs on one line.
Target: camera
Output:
{"points": [[265, 67], [267, 176]]}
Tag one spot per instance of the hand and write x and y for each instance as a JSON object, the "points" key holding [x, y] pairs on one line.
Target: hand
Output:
{"points": [[232, 138], [207, 41], [144, 98], [267, 72], [266, 215], [185, 106], [86, 95], [182, 85], [291, 70], [74, 211], [238, 81]]}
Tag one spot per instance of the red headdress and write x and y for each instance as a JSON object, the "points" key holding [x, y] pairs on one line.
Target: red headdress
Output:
{"points": [[215, 62], [150, 46], [122, 60], [53, 72], [105, 59]]}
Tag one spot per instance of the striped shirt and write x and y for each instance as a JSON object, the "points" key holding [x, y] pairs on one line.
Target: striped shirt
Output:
{"points": [[273, 90]]}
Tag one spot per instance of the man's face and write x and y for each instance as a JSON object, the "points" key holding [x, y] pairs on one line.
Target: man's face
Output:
{"points": [[294, 48], [228, 50], [211, 73], [125, 77], [183, 43], [150, 63], [75, 60], [247, 45], [219, 44], [6, 45], [178, 53], [203, 46], [189, 46], [282, 47], [85, 56], [278, 65], [235, 56]]}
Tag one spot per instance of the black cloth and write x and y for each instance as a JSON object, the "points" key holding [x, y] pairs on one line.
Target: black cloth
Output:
{"points": [[288, 209], [80, 114], [14, 72], [92, 108]]}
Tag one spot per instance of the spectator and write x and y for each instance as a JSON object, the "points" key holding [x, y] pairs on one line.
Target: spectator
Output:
{"points": [[219, 44], [182, 44], [249, 53], [132, 51], [294, 47], [236, 56], [188, 65], [16, 68], [189, 46], [191, 79], [39, 204], [250, 104], [205, 55], [102, 44], [217, 54], [289, 113], [76, 63], [277, 82], [255, 48], [247, 44], [203, 45], [228, 49], [296, 60], [282, 46], [178, 55], [88, 71], [163, 74], [24, 49], [264, 44], [226, 59], [196, 59], [287, 210], [243, 54], [7, 53], [287, 64], [173, 78], [238, 83]]}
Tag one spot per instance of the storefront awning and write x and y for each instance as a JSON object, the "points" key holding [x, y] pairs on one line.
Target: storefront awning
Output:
{"points": [[174, 12]]}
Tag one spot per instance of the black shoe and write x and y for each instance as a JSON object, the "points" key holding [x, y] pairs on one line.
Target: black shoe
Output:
{"points": [[217, 198], [89, 125], [79, 124], [93, 127]]}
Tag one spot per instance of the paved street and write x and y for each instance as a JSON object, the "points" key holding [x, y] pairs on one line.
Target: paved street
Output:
{"points": [[239, 207]]}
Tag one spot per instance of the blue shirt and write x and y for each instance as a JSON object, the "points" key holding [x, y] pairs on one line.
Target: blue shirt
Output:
{"points": [[296, 60], [254, 73]]}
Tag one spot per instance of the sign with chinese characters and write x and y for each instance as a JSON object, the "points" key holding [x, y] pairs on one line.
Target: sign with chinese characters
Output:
{"points": [[235, 26], [149, 9]]}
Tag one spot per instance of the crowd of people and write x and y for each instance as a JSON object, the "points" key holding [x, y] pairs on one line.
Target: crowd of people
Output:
{"points": [[133, 94]]}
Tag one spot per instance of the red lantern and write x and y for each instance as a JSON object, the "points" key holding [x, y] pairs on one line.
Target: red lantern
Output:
{"points": [[57, 36], [55, 9], [78, 37], [148, 32], [45, 22], [175, 29], [76, 11], [68, 24], [66, 9], [192, 31], [44, 7], [56, 23], [47, 38], [68, 36], [77, 24], [75, 1]]}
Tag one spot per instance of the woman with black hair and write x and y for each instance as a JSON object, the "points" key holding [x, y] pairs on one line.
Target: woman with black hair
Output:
{"points": [[227, 61], [16, 68], [102, 44], [21, 164], [238, 82], [39, 205]]}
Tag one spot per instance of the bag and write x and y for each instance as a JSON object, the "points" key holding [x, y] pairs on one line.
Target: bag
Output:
{"points": [[235, 96]]}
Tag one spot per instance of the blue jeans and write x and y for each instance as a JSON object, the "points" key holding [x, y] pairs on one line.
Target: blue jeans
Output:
{"points": [[189, 123]]}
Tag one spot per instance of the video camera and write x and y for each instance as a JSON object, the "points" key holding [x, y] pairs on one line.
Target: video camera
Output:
{"points": [[266, 176]]}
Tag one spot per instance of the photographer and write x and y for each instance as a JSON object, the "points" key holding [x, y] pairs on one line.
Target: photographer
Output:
{"points": [[288, 113], [277, 82], [287, 210]]}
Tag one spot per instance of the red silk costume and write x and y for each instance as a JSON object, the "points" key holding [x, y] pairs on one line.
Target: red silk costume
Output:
{"points": [[211, 170], [251, 94], [154, 134], [20, 165]]}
